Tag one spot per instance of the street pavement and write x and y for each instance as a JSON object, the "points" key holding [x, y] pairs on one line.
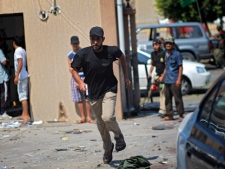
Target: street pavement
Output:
{"points": [[65, 145]]}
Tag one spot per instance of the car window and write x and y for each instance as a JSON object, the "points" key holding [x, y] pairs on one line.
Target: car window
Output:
{"points": [[206, 108], [162, 32], [144, 35], [188, 32], [217, 119]]}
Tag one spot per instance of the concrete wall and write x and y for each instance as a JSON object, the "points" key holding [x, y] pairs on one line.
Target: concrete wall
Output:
{"points": [[146, 12], [48, 43]]}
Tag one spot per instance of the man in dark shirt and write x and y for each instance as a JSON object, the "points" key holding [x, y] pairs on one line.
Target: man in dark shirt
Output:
{"points": [[221, 39], [158, 62], [97, 64], [172, 77]]}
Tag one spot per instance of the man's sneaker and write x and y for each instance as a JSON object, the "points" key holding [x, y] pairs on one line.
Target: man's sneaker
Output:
{"points": [[5, 116]]}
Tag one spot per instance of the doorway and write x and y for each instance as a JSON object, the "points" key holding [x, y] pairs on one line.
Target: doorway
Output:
{"points": [[11, 25]]}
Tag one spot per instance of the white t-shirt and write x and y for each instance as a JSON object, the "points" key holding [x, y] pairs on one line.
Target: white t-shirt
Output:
{"points": [[21, 53]]}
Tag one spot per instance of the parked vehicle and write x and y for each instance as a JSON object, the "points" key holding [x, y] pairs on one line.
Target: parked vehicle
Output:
{"points": [[194, 73], [190, 37], [201, 135]]}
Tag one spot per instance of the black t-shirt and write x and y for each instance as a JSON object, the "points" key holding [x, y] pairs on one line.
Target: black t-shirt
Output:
{"points": [[159, 61], [98, 69]]}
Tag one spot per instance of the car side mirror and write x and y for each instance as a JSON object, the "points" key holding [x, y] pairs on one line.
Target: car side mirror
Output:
{"points": [[157, 34]]}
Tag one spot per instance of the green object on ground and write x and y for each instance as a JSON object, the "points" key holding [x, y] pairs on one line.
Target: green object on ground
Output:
{"points": [[135, 162]]}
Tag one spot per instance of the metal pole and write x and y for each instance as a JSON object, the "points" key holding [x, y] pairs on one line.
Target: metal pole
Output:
{"points": [[120, 25], [199, 11]]}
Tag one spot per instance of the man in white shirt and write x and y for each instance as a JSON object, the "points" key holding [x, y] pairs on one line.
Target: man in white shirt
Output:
{"points": [[21, 76]]}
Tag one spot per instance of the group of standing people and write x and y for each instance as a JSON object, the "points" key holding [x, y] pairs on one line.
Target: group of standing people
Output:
{"points": [[168, 65], [20, 78]]}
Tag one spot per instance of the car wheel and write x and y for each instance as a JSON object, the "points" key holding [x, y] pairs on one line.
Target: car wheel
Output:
{"points": [[185, 86], [188, 56]]}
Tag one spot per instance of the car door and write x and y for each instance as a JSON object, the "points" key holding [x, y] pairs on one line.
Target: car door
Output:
{"points": [[205, 146], [144, 38]]}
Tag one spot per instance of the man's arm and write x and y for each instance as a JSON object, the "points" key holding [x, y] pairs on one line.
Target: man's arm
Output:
{"points": [[81, 84], [4, 63], [69, 65], [20, 65], [161, 78], [178, 82], [150, 71], [124, 67]]}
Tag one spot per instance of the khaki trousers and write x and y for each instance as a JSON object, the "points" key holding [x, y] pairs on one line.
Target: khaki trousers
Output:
{"points": [[104, 110], [162, 109]]}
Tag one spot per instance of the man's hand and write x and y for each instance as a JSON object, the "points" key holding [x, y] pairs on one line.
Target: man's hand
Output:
{"points": [[82, 87], [77, 86], [178, 83], [149, 75], [127, 83], [16, 79], [160, 79]]}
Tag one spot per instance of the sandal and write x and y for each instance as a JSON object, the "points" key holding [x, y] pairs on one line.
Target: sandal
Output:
{"points": [[167, 118], [120, 143], [107, 158], [91, 121], [80, 121]]}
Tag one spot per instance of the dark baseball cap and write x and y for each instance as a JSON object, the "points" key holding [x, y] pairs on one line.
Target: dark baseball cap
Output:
{"points": [[96, 31], [157, 41], [74, 39]]}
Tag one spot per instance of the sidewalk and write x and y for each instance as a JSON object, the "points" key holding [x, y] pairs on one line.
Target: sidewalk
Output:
{"points": [[65, 145]]}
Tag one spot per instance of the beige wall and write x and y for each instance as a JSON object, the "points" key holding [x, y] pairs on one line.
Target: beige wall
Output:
{"points": [[48, 43], [146, 13]]}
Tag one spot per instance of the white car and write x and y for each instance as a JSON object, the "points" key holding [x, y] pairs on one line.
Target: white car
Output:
{"points": [[194, 73]]}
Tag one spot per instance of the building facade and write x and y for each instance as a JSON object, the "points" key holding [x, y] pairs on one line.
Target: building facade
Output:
{"points": [[48, 43]]}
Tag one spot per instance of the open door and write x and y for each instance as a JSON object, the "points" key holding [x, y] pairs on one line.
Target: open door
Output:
{"points": [[11, 25]]}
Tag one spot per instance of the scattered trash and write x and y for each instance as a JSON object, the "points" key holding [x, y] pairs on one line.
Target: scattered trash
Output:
{"points": [[14, 138], [4, 136], [29, 155], [93, 140], [154, 136], [165, 159], [163, 162], [10, 124], [56, 121], [136, 124], [4, 168], [80, 149], [65, 138], [38, 122], [97, 151], [162, 127], [86, 130], [77, 131], [61, 149]]}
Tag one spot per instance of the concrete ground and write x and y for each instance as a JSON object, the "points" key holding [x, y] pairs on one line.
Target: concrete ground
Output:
{"points": [[65, 145]]}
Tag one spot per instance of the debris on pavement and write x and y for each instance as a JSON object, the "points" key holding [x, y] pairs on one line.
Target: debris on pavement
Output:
{"points": [[61, 149], [10, 124], [64, 138], [163, 127]]}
